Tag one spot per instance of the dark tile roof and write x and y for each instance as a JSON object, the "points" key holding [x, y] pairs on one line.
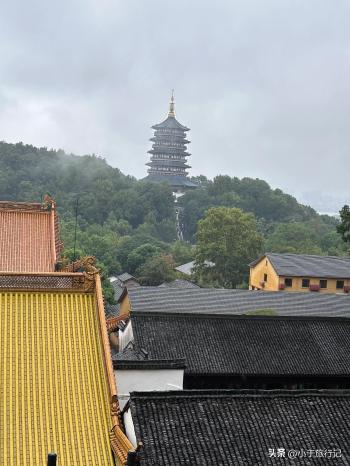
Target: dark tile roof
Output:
{"points": [[112, 310], [178, 284], [134, 358], [124, 277], [119, 284], [171, 123], [247, 345], [236, 428], [223, 301], [305, 265], [130, 353]]}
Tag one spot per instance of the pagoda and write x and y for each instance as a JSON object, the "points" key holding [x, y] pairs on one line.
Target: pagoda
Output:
{"points": [[169, 154]]}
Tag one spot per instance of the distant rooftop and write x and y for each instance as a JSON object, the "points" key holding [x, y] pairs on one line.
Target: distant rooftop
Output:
{"points": [[125, 276], [226, 301], [187, 268], [229, 427], [121, 282], [306, 265], [29, 237]]}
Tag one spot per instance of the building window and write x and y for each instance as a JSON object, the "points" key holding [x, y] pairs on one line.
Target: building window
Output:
{"points": [[340, 284], [323, 283], [288, 282], [265, 277], [305, 283]]}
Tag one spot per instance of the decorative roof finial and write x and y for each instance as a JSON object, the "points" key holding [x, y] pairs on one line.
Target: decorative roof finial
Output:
{"points": [[172, 105]]}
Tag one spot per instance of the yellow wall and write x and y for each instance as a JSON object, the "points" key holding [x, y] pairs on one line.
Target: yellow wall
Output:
{"points": [[264, 266], [257, 272], [331, 284], [125, 306]]}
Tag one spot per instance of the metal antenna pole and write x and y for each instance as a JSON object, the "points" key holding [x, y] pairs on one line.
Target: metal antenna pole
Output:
{"points": [[75, 229]]}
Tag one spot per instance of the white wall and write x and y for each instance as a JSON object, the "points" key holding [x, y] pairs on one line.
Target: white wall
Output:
{"points": [[129, 427], [145, 380], [125, 336]]}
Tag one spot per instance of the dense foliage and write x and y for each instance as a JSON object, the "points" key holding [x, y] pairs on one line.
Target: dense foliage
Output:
{"points": [[227, 241], [344, 226], [130, 225]]}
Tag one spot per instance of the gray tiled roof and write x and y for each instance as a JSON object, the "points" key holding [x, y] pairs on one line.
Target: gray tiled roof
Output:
{"points": [[118, 288], [178, 284], [247, 345], [228, 427], [112, 310], [125, 277], [172, 123], [304, 265], [189, 266], [133, 358], [185, 268], [223, 301]]}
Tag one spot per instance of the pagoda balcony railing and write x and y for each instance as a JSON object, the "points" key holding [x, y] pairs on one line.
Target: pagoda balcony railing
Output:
{"points": [[176, 139], [169, 151], [170, 132], [50, 281], [166, 158]]}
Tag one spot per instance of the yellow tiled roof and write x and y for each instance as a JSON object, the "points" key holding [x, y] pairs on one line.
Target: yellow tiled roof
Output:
{"points": [[53, 385]]}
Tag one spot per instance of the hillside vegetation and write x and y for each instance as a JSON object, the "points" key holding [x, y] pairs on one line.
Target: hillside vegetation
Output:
{"points": [[130, 225]]}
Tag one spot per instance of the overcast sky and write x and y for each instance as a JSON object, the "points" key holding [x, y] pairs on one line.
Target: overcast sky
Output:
{"points": [[264, 85]]}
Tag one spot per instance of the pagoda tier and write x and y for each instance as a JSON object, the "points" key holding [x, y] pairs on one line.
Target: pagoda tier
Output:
{"points": [[169, 154]]}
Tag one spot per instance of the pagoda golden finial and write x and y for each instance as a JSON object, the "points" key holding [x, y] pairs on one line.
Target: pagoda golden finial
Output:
{"points": [[172, 105]]}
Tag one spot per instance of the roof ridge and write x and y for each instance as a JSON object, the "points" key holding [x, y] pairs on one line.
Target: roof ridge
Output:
{"points": [[134, 314], [319, 256], [239, 393]]}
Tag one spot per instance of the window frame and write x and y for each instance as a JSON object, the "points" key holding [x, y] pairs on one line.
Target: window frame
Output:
{"points": [[340, 287], [323, 281], [291, 282], [305, 280]]}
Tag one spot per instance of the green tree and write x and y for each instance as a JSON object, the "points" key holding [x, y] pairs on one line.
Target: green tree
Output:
{"points": [[157, 270], [182, 252], [344, 227], [228, 238], [140, 255]]}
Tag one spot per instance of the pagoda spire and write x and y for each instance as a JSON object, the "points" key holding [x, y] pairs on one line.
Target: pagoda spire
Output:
{"points": [[172, 105]]}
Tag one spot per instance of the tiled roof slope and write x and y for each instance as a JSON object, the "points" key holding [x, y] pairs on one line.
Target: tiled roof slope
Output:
{"points": [[178, 283], [53, 386], [130, 358], [125, 276], [220, 301], [29, 239], [304, 265], [206, 428], [245, 345]]}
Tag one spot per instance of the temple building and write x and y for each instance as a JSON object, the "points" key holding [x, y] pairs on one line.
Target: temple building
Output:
{"points": [[169, 154], [58, 392]]}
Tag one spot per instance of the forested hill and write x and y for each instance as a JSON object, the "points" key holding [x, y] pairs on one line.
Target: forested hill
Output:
{"points": [[125, 222]]}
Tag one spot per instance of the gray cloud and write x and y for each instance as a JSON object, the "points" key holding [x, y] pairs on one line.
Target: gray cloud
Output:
{"points": [[264, 86]]}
